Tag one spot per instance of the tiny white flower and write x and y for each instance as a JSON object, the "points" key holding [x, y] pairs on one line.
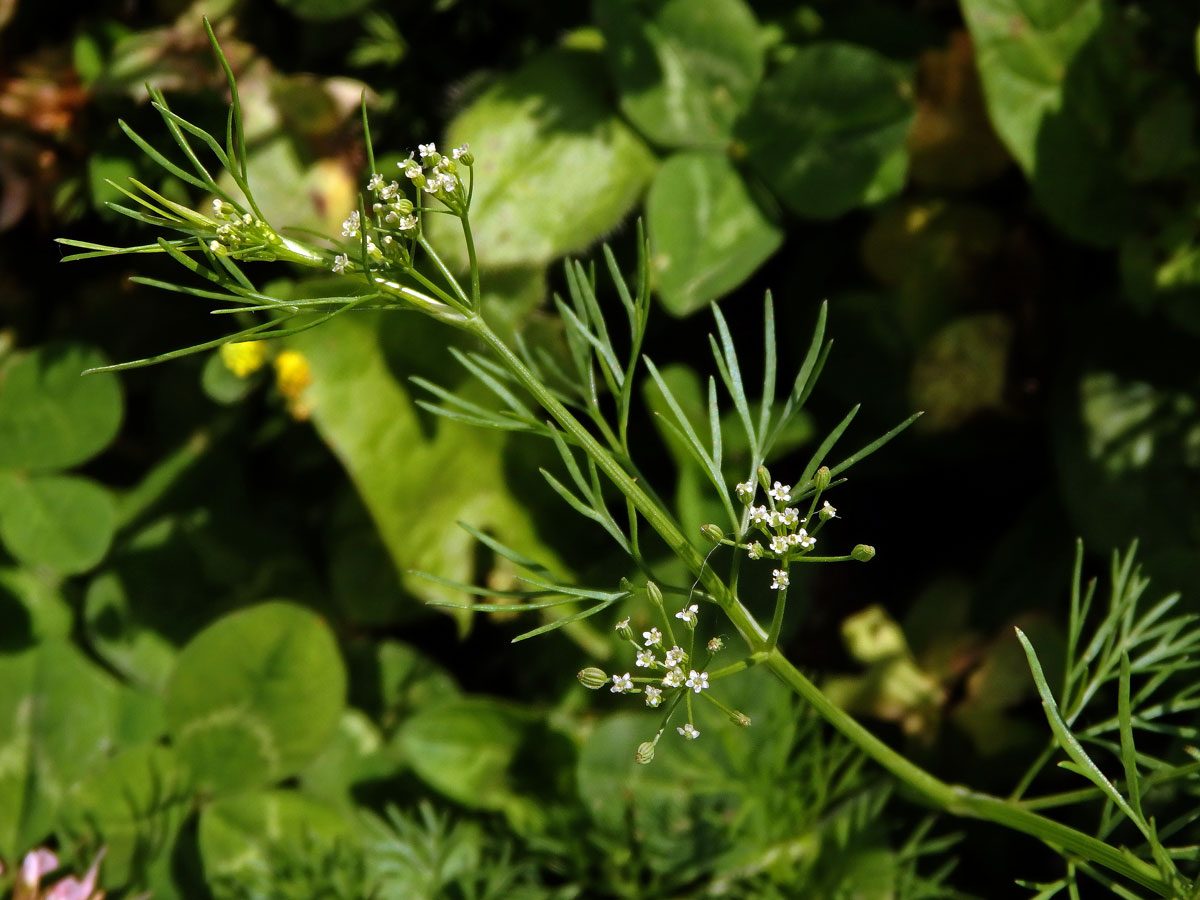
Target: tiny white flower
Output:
{"points": [[775, 518], [779, 544], [759, 515], [217, 247], [216, 206], [247, 219], [715, 644], [674, 657], [645, 659], [674, 678], [461, 150], [828, 512], [755, 550], [781, 493], [621, 684], [688, 614], [745, 490], [653, 695], [697, 681], [432, 186], [779, 579], [623, 624], [406, 223], [653, 637], [426, 150], [376, 182], [790, 516], [392, 218], [689, 731], [387, 192], [803, 539], [351, 225], [340, 262], [411, 168], [387, 240]]}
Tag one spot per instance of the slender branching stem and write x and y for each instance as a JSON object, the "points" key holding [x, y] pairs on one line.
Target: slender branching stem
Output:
{"points": [[949, 798]]}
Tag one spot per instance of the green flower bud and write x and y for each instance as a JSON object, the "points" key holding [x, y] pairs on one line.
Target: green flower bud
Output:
{"points": [[739, 719], [822, 478], [764, 478], [863, 552], [654, 593], [713, 533], [218, 248], [645, 752], [592, 678]]}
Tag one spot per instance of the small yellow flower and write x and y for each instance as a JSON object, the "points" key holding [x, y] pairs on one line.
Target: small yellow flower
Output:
{"points": [[292, 378], [244, 358]]}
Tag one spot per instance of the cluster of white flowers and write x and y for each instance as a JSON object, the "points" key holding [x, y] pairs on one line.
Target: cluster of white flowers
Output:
{"points": [[668, 668], [392, 214], [784, 527], [437, 174]]}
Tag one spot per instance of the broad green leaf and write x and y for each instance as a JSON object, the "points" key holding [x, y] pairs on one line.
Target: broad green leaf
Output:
{"points": [[255, 696], [357, 753], [32, 607], [707, 233], [684, 71], [1058, 79], [1024, 51], [50, 416], [827, 130], [58, 718], [417, 479], [139, 653], [555, 168], [255, 832], [133, 804], [61, 522], [465, 748], [102, 169]]}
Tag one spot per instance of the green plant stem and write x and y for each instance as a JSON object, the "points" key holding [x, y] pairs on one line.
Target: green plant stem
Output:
{"points": [[474, 265], [949, 798], [962, 801], [777, 617]]}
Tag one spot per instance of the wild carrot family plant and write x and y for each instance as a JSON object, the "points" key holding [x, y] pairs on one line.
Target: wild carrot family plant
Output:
{"points": [[690, 637]]}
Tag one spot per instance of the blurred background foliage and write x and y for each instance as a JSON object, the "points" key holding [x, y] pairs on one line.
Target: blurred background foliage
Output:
{"points": [[214, 660]]}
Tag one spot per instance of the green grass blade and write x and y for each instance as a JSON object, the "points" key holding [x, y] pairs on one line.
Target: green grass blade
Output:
{"points": [[1128, 754], [566, 620], [252, 333], [822, 451], [367, 133], [873, 446], [493, 384], [1080, 761], [147, 148], [236, 105], [505, 551], [769, 370], [731, 372]]}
